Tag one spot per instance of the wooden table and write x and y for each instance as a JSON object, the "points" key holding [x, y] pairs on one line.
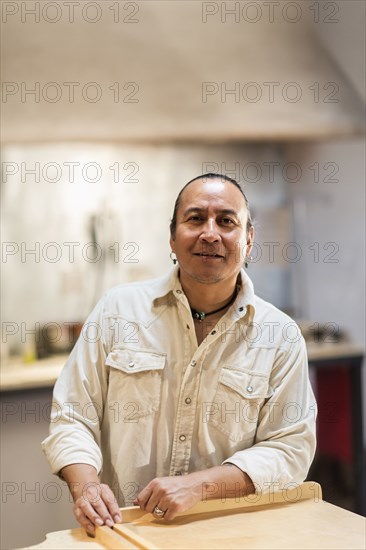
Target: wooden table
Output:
{"points": [[295, 518]]}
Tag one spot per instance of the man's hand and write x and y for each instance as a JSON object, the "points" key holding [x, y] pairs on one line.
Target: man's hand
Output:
{"points": [[171, 494], [94, 502], [179, 493], [96, 506]]}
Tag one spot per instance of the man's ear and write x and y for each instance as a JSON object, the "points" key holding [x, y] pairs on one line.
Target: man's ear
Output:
{"points": [[250, 241], [171, 241], [172, 236]]}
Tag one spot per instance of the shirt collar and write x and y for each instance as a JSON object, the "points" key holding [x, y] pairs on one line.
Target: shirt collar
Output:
{"points": [[245, 301], [169, 285]]}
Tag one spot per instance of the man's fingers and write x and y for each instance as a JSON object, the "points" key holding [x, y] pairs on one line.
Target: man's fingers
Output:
{"points": [[148, 500], [84, 520], [143, 497], [169, 515], [97, 506], [172, 495], [97, 512], [111, 504], [151, 504], [151, 496]]}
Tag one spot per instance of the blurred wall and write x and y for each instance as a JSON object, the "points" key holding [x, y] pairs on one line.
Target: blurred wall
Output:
{"points": [[51, 270], [329, 223]]}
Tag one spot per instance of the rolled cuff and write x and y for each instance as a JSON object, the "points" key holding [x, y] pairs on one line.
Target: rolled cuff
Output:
{"points": [[268, 469], [69, 452]]}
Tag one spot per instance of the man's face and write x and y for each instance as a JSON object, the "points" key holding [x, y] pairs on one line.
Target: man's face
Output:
{"points": [[210, 240]]}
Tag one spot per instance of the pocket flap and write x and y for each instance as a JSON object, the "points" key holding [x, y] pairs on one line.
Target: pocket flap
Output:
{"points": [[132, 361], [249, 384]]}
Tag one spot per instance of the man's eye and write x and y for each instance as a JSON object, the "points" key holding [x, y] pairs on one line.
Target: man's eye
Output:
{"points": [[195, 218], [227, 221]]}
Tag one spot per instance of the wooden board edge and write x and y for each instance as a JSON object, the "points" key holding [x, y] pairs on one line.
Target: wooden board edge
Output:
{"points": [[108, 538], [293, 492], [139, 541]]}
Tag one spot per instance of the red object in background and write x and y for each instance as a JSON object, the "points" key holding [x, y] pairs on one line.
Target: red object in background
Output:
{"points": [[334, 413]]}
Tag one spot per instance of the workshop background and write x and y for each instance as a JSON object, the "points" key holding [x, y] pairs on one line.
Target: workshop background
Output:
{"points": [[108, 109]]}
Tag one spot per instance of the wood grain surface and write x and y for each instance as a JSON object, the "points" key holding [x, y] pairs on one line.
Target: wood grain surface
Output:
{"points": [[297, 518]]}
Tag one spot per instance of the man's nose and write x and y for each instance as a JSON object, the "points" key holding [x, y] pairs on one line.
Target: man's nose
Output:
{"points": [[210, 232]]}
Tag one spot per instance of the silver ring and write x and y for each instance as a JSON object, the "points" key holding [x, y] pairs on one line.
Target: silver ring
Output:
{"points": [[158, 513]]}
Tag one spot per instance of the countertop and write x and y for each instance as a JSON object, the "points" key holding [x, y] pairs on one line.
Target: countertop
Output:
{"points": [[17, 375]]}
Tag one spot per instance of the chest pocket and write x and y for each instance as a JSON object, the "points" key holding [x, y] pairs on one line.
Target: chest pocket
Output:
{"points": [[239, 397], [135, 381]]}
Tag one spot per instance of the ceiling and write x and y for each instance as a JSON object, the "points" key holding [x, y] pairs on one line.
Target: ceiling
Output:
{"points": [[174, 65]]}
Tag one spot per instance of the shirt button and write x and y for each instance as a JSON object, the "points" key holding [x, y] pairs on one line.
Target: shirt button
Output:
{"points": [[193, 363], [182, 438], [241, 308], [179, 292], [213, 332], [188, 400], [250, 389], [131, 364]]}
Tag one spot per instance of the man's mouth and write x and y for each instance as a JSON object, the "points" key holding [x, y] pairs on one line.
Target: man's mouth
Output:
{"points": [[208, 255]]}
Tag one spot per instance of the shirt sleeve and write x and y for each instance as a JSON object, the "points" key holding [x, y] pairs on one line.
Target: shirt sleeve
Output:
{"points": [[285, 441], [78, 396]]}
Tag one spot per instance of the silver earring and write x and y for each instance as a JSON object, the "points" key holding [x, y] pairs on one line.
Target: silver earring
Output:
{"points": [[173, 258], [247, 261]]}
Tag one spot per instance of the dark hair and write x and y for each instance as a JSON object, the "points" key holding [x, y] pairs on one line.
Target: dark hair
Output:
{"points": [[210, 175]]}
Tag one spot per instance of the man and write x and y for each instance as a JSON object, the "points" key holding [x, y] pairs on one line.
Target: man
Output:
{"points": [[188, 386]]}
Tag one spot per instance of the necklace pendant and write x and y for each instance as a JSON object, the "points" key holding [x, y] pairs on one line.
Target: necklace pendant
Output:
{"points": [[199, 315]]}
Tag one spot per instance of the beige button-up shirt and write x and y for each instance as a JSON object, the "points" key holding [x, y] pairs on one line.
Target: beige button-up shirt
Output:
{"points": [[138, 398]]}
